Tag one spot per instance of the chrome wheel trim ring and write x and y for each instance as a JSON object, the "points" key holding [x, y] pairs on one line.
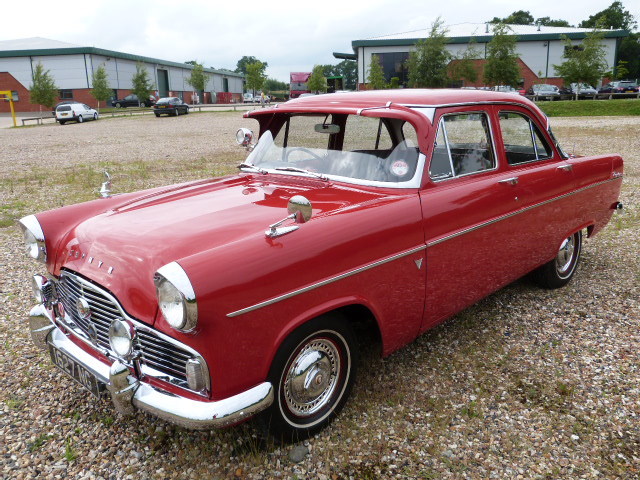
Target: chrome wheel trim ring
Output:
{"points": [[565, 260], [312, 377]]}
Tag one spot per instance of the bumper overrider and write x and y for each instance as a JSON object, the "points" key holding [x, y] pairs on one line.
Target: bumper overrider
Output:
{"points": [[129, 393]]}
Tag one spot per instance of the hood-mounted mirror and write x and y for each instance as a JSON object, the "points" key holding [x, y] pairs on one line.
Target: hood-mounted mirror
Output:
{"points": [[300, 211], [105, 189]]}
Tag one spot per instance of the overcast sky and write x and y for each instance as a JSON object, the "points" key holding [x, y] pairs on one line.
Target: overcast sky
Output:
{"points": [[289, 35]]}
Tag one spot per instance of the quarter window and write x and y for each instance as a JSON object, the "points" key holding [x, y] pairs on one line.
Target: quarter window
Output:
{"points": [[522, 140], [463, 146]]}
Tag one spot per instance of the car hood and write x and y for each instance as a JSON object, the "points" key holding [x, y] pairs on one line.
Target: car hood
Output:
{"points": [[122, 248]]}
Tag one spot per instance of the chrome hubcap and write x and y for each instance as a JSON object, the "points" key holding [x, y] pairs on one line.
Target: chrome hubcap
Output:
{"points": [[312, 377], [564, 260]]}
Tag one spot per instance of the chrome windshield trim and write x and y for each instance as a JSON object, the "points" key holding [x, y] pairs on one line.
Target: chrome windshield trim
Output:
{"points": [[512, 214], [326, 282]]}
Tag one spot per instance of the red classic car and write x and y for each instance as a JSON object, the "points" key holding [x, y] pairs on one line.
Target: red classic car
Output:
{"points": [[208, 302]]}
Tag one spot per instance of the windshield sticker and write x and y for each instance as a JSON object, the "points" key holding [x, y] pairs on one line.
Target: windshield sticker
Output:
{"points": [[400, 168]]}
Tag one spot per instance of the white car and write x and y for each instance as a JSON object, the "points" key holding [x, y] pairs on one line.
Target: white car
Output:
{"points": [[247, 98], [78, 112]]}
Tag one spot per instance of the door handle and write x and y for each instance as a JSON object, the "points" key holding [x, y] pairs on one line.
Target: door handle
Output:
{"points": [[509, 181], [567, 167]]}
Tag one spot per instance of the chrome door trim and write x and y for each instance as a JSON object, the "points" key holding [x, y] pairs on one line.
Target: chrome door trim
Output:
{"points": [[518, 212], [327, 281]]}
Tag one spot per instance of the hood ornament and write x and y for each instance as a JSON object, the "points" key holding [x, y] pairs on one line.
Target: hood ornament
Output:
{"points": [[300, 210], [105, 189]]}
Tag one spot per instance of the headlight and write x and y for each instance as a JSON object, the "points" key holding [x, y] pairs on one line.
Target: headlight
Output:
{"points": [[121, 338], [176, 297], [244, 136], [33, 238]]}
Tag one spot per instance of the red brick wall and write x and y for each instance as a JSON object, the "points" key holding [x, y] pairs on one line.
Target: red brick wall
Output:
{"points": [[8, 82]]}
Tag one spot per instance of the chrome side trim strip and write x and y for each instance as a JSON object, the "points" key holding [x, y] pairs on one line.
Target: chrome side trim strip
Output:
{"points": [[512, 214], [327, 281]]}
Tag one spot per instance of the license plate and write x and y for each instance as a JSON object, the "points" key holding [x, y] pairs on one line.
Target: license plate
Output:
{"points": [[630, 91], [76, 371]]}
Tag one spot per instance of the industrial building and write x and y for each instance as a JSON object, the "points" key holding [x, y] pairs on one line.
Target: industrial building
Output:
{"points": [[539, 48], [72, 66]]}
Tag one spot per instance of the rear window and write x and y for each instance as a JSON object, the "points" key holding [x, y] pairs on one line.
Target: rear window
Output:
{"points": [[63, 108]]}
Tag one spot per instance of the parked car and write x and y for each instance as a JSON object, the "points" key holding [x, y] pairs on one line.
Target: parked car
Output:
{"points": [[65, 102], [77, 112], [583, 90], [387, 212], [544, 91], [505, 89], [170, 106], [132, 101], [247, 98], [619, 87]]}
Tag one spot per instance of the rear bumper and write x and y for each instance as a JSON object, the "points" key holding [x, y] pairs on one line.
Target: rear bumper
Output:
{"points": [[128, 393]]}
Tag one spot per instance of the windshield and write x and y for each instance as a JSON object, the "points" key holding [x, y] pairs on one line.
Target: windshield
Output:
{"points": [[353, 149]]}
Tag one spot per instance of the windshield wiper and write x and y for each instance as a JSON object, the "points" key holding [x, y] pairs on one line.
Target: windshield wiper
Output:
{"points": [[253, 167], [302, 170]]}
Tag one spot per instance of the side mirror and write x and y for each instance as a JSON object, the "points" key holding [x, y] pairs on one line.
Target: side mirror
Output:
{"points": [[300, 208], [244, 136]]}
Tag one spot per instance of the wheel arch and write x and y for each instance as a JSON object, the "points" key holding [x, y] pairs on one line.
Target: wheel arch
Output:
{"points": [[358, 313]]}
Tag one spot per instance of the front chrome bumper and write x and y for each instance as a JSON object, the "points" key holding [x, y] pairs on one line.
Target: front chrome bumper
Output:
{"points": [[128, 393]]}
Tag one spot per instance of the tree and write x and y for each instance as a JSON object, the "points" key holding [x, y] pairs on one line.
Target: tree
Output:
{"points": [[375, 79], [198, 79], [549, 22], [142, 86], [43, 88], [584, 63], [317, 81], [348, 70], [428, 62], [502, 67], [100, 83], [516, 18], [462, 67], [614, 16], [272, 85], [244, 62], [255, 75]]}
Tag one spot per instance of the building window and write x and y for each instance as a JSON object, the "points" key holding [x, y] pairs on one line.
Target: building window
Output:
{"points": [[14, 96], [394, 64], [66, 94]]}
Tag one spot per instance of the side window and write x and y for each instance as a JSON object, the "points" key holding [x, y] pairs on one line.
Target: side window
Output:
{"points": [[463, 146], [522, 140]]}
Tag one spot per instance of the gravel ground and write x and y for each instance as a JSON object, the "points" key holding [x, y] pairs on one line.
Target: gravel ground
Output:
{"points": [[526, 384]]}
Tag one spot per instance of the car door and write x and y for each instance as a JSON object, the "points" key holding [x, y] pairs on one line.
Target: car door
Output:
{"points": [[476, 241]]}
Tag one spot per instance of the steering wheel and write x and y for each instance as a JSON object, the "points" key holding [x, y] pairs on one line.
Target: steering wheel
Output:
{"points": [[302, 149]]}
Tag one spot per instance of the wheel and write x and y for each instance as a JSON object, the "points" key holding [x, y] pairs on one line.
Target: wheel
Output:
{"points": [[62, 122], [80, 119], [312, 374], [558, 272], [142, 104], [186, 111], [118, 105], [157, 115], [95, 116]]}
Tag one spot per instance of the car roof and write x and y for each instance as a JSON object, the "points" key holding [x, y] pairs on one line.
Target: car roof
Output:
{"points": [[356, 102]]}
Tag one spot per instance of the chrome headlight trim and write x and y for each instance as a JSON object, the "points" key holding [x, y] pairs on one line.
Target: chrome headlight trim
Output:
{"points": [[177, 279], [121, 337], [34, 238]]}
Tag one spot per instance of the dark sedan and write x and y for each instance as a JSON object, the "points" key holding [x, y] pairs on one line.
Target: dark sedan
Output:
{"points": [[171, 106], [620, 86], [132, 101]]}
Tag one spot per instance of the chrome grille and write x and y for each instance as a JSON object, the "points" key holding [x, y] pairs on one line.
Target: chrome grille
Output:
{"points": [[164, 359]]}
